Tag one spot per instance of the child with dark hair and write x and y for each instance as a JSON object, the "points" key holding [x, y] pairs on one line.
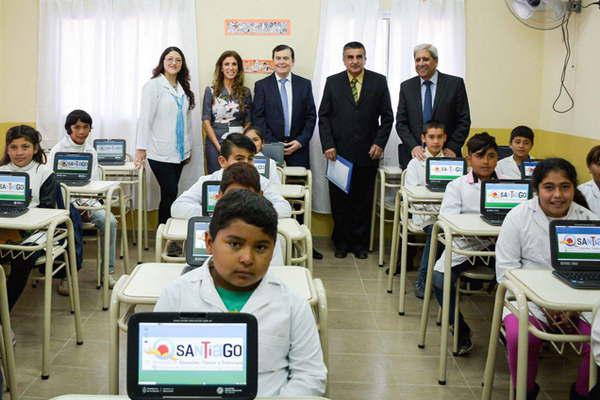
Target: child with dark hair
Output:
{"points": [[258, 139], [521, 142], [591, 188], [462, 196], [235, 148], [524, 242], [241, 239]]}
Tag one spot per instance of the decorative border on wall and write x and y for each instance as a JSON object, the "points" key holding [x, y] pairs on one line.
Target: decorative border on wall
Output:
{"points": [[258, 27]]}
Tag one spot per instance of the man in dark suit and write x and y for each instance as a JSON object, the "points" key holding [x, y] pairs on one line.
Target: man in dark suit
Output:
{"points": [[431, 96], [355, 119], [284, 110]]}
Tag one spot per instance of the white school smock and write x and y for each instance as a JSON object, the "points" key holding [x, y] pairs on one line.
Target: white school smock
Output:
{"points": [[415, 176], [290, 358], [462, 196], [158, 120], [274, 177], [66, 144], [524, 240], [508, 168], [592, 195], [189, 203]]}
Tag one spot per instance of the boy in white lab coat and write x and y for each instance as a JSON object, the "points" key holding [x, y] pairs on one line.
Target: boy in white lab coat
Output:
{"points": [[235, 148], [521, 143], [433, 138], [591, 189], [236, 278], [462, 196], [78, 126]]}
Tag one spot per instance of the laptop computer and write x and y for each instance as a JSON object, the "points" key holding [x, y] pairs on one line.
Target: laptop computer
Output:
{"points": [[210, 189], [192, 356], [504, 151], [441, 170], [499, 197], [195, 251], [110, 151], [14, 194], [73, 169], [274, 151], [262, 163], [527, 168], [575, 251]]}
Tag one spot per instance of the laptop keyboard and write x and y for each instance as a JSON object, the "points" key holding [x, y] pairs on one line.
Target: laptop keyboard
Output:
{"points": [[580, 275], [7, 212]]}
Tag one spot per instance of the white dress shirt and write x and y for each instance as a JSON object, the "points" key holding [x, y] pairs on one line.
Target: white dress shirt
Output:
{"points": [[592, 195], [290, 358], [189, 203], [66, 144], [156, 128], [524, 240], [274, 177], [415, 176], [508, 168], [288, 90], [434, 79]]}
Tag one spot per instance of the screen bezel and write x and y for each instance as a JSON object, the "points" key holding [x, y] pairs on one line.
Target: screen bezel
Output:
{"points": [[25, 203], [274, 151], [205, 186], [248, 391], [62, 178], [428, 162], [498, 211], [108, 141], [189, 242], [267, 161], [577, 265], [522, 167]]}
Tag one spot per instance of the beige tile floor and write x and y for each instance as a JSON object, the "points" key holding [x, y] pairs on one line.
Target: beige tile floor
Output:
{"points": [[373, 351]]}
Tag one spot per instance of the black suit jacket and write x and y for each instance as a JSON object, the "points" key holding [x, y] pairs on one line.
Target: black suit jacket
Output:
{"points": [[267, 115], [351, 127], [450, 107]]}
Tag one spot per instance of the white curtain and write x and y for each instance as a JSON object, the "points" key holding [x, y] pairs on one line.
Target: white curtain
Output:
{"points": [[342, 21], [439, 22], [96, 55]]}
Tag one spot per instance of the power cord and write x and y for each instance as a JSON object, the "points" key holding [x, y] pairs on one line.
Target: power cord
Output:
{"points": [[564, 27]]}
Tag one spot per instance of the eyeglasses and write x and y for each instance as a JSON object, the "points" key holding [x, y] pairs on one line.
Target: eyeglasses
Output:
{"points": [[174, 60]]}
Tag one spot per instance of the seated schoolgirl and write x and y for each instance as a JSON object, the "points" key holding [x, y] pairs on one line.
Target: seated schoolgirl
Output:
{"points": [[257, 137]]}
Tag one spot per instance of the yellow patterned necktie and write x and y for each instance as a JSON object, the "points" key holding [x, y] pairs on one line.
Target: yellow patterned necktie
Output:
{"points": [[353, 83]]}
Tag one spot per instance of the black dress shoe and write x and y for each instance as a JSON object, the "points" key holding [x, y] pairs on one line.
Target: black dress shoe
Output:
{"points": [[361, 254], [340, 253], [317, 255]]}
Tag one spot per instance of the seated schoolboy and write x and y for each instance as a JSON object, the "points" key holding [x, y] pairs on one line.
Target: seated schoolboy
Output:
{"points": [[241, 239], [257, 137], [235, 148], [433, 138], [242, 175], [591, 189], [78, 126], [524, 242], [462, 196], [521, 142]]}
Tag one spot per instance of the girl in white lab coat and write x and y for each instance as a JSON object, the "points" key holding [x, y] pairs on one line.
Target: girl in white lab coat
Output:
{"points": [[164, 131], [524, 243], [257, 137]]}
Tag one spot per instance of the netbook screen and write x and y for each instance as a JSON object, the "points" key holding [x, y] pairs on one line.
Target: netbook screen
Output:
{"points": [[72, 167], [578, 243], [110, 150], [261, 165], [528, 167], [13, 190], [192, 354], [504, 196], [199, 249], [445, 170], [211, 197]]}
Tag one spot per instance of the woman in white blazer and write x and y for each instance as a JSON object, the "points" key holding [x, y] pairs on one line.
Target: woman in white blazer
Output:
{"points": [[524, 242], [164, 129]]}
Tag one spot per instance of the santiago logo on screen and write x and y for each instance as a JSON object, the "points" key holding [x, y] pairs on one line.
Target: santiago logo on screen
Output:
{"points": [[206, 349], [508, 195], [581, 241]]}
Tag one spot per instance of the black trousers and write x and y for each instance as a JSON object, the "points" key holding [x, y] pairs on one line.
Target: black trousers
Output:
{"points": [[352, 212], [167, 175], [19, 274]]}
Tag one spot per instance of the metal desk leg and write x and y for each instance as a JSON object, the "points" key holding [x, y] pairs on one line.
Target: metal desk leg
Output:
{"points": [[523, 348], [488, 375], [106, 250], [403, 256], [113, 353], [140, 214], [47, 299], [9, 354], [124, 239], [373, 214], [395, 239], [382, 218], [74, 281], [446, 308], [428, 284], [145, 207]]}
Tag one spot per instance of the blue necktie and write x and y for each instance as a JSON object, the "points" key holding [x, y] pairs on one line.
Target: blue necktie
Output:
{"points": [[286, 107], [428, 103], [179, 126]]}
